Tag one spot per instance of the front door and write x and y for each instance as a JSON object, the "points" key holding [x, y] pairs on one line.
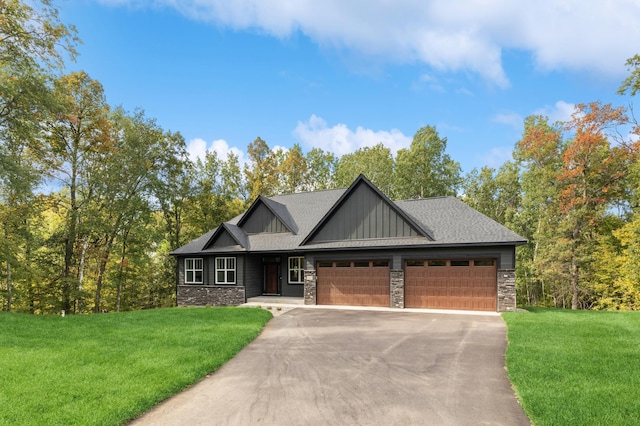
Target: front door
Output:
{"points": [[271, 278]]}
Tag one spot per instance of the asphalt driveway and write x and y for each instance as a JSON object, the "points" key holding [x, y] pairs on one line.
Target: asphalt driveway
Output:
{"points": [[347, 367]]}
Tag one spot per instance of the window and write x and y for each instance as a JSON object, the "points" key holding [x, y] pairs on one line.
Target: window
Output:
{"points": [[296, 270], [483, 262], [381, 263], [437, 263], [459, 263], [225, 270], [193, 271], [415, 262], [361, 264]]}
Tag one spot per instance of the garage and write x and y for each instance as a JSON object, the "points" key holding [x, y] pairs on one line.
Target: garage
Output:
{"points": [[451, 284], [353, 282]]}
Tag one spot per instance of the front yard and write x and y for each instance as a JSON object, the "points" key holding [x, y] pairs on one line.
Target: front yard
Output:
{"points": [[107, 369], [576, 367]]}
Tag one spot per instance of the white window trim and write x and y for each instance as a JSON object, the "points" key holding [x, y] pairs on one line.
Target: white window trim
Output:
{"points": [[299, 268], [194, 269], [226, 269]]}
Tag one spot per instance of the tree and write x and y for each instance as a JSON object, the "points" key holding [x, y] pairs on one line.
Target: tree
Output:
{"points": [[590, 181], [32, 43], [78, 141], [497, 194], [425, 169], [262, 171], [631, 84], [294, 171], [538, 153], [375, 162], [320, 169]]}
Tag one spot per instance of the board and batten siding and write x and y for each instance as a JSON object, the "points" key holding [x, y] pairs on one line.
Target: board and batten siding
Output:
{"points": [[225, 240], [254, 275], [364, 215], [263, 220]]}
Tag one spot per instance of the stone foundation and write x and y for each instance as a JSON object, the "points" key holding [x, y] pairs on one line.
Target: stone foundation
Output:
{"points": [[197, 295], [506, 290], [397, 289], [310, 280]]}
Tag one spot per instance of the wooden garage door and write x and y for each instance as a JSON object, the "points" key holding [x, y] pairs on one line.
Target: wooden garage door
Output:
{"points": [[451, 284], [356, 283]]}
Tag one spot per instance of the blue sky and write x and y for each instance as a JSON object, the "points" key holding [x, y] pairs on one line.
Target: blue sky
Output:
{"points": [[341, 74]]}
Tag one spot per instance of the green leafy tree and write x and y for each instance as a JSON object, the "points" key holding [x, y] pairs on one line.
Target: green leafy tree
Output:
{"points": [[78, 141], [32, 45], [321, 167], [425, 169], [375, 162], [294, 171], [631, 84], [262, 172], [497, 194]]}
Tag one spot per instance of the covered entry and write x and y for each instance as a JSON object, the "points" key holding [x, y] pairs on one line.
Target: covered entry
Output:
{"points": [[356, 283], [451, 284]]}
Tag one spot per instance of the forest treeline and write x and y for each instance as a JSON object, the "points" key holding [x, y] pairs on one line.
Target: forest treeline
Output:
{"points": [[93, 198]]}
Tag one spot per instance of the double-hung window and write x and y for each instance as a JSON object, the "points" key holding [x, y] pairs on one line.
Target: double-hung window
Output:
{"points": [[193, 271], [225, 270], [296, 270]]}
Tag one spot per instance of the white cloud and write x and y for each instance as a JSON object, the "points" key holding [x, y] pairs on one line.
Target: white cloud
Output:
{"points": [[429, 81], [465, 35], [560, 111], [497, 156], [512, 119], [341, 140], [197, 148]]}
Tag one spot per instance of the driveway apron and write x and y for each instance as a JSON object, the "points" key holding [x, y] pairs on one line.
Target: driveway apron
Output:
{"points": [[345, 367]]}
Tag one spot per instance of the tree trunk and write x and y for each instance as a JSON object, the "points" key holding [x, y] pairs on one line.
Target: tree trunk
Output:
{"points": [[121, 272], [83, 253], [575, 270], [8, 286], [101, 271], [70, 240]]}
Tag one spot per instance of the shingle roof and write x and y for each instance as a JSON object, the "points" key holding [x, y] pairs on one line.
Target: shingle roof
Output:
{"points": [[448, 220]]}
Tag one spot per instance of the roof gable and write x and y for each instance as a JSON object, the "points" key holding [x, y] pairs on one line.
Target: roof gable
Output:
{"points": [[364, 212], [226, 236], [266, 216]]}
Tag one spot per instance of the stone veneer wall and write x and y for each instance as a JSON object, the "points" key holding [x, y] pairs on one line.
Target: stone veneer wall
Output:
{"points": [[397, 289], [198, 295], [506, 290], [310, 280]]}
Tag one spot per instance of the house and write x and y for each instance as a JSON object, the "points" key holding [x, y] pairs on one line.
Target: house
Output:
{"points": [[354, 246]]}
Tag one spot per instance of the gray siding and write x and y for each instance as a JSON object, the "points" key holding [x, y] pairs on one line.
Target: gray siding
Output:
{"points": [[225, 240], [364, 215], [262, 220], [253, 275], [289, 290], [181, 270]]}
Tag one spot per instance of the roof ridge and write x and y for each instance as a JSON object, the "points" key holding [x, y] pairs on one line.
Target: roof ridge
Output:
{"points": [[427, 198]]}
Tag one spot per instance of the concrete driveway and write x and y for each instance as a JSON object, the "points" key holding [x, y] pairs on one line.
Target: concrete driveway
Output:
{"points": [[347, 367]]}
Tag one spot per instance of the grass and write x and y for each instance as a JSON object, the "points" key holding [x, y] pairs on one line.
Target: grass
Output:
{"points": [[107, 369], [576, 367]]}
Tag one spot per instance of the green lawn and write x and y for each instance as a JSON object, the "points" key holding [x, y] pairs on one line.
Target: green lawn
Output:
{"points": [[107, 369], [576, 367]]}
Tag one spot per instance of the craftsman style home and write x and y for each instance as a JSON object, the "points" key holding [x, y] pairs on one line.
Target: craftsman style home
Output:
{"points": [[354, 246]]}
